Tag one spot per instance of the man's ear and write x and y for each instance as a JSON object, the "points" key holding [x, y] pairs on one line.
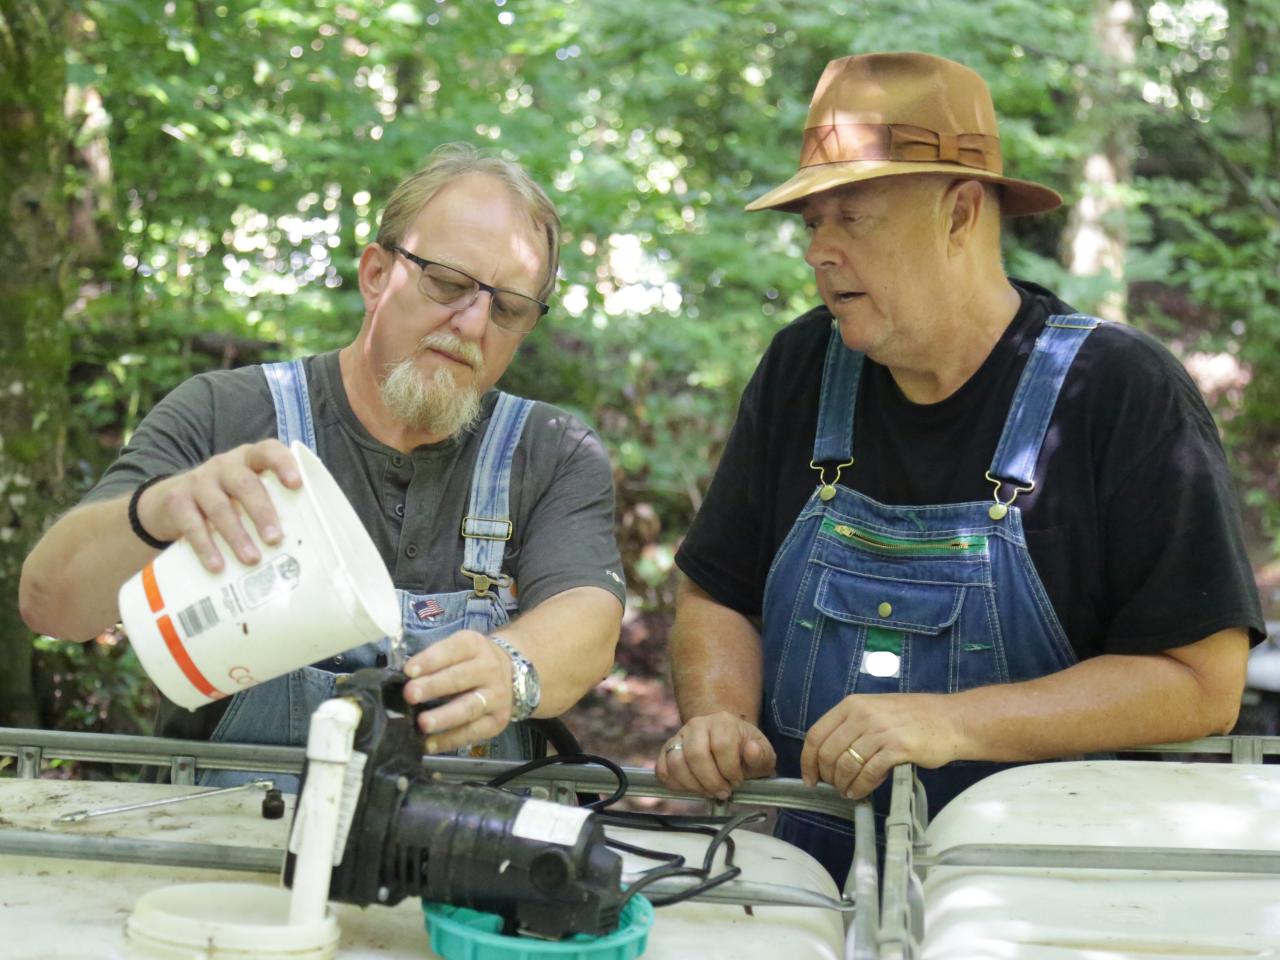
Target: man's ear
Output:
{"points": [[962, 205], [375, 269]]}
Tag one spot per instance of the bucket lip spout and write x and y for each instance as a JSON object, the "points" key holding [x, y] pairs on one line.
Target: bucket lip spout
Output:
{"points": [[313, 470]]}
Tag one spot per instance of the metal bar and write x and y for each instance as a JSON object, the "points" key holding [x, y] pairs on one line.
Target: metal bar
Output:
{"points": [[213, 856], [163, 853], [899, 939], [78, 815], [642, 781], [863, 885], [753, 894], [1265, 746], [1208, 860], [151, 751], [157, 751]]}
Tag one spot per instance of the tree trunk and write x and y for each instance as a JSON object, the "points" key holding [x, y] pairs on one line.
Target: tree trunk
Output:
{"points": [[1096, 232], [34, 342]]}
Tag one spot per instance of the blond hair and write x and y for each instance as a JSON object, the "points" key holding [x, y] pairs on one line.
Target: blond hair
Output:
{"points": [[453, 160]]}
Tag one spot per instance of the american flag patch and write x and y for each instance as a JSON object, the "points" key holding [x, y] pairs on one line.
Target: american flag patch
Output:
{"points": [[427, 609]]}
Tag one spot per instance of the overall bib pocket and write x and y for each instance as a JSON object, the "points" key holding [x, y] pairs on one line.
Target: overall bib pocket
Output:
{"points": [[883, 615]]}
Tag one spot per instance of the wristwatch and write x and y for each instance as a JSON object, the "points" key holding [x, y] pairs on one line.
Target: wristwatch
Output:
{"points": [[526, 688]]}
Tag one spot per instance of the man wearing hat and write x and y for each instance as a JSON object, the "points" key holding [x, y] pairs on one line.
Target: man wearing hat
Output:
{"points": [[956, 523]]}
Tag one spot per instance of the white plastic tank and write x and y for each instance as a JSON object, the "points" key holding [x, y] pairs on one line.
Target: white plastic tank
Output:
{"points": [[58, 909], [1057, 913]]}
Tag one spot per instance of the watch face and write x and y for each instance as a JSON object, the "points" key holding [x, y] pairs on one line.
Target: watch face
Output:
{"points": [[533, 687], [528, 690], [530, 682]]}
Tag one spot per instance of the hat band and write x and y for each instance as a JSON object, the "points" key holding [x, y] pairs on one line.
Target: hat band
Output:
{"points": [[844, 142]]}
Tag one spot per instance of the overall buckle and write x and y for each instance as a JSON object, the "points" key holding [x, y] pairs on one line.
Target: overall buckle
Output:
{"points": [[481, 582]]}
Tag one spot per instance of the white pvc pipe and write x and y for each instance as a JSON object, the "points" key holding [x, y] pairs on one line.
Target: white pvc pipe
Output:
{"points": [[315, 828]]}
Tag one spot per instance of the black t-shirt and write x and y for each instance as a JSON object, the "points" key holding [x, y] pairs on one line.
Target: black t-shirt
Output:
{"points": [[1133, 526]]}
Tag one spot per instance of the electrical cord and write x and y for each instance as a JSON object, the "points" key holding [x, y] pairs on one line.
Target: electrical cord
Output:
{"points": [[572, 759], [719, 829], [708, 881], [672, 858]]}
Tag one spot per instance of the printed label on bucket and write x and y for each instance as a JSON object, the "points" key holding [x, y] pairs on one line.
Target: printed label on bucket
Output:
{"points": [[271, 579], [198, 617]]}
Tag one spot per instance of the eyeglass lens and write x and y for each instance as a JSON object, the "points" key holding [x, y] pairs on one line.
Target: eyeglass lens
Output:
{"points": [[450, 287]]}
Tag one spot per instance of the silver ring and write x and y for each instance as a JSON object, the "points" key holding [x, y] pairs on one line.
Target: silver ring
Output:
{"points": [[484, 704], [856, 756], [674, 745]]}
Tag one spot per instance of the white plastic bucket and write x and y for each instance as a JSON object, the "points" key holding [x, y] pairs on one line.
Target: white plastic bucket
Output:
{"points": [[321, 590], [224, 921]]}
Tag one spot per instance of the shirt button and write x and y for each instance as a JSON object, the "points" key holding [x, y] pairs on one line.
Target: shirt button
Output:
{"points": [[884, 609], [411, 551], [397, 461], [337, 661], [400, 510]]}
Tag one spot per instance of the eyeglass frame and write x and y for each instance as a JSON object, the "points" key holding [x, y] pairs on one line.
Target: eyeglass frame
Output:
{"points": [[422, 263]]}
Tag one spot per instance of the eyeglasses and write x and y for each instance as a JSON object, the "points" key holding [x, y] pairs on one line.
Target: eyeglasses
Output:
{"points": [[450, 287]]}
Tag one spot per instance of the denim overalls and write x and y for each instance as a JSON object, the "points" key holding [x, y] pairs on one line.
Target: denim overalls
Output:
{"points": [[279, 711], [867, 598]]}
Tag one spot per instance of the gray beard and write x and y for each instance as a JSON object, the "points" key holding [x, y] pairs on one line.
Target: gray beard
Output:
{"points": [[437, 406]]}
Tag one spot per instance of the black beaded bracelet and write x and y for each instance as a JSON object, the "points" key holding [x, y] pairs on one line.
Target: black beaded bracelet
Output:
{"points": [[135, 523]]}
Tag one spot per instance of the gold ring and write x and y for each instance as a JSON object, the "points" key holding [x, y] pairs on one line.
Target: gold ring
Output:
{"points": [[674, 745], [856, 756], [484, 704]]}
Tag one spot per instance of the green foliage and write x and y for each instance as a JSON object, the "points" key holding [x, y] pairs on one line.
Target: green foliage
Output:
{"points": [[1209, 189], [97, 686], [34, 346], [242, 150]]}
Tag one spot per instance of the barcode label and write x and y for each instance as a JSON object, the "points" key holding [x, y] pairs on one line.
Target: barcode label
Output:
{"points": [[198, 617]]}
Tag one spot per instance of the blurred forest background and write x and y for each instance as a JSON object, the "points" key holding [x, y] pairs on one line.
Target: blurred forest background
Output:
{"points": [[188, 184]]}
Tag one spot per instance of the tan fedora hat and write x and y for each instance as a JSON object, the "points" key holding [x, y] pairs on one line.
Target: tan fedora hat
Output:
{"points": [[895, 114]]}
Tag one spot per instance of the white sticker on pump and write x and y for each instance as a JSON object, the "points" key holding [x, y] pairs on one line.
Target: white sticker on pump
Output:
{"points": [[550, 822]]}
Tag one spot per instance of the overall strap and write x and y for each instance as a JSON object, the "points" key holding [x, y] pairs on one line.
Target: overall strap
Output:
{"points": [[287, 381], [833, 442], [1037, 393], [487, 526]]}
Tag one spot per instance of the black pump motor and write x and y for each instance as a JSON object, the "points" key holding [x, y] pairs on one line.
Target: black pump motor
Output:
{"points": [[543, 867]]}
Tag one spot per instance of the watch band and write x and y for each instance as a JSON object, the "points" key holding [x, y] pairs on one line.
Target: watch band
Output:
{"points": [[526, 690]]}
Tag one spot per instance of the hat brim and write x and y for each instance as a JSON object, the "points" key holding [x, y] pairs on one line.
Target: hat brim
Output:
{"points": [[1018, 197]]}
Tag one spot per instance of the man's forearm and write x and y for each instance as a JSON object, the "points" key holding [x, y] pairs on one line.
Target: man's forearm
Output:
{"points": [[70, 580], [1105, 703], [716, 658], [570, 639]]}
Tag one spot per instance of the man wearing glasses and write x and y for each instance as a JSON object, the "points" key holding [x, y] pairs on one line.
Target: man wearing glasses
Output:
{"points": [[467, 491]]}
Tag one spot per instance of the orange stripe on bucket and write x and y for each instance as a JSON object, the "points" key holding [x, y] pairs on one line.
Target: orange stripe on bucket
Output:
{"points": [[183, 659], [151, 588]]}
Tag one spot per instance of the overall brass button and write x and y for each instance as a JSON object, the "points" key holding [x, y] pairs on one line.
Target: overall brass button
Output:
{"points": [[885, 609]]}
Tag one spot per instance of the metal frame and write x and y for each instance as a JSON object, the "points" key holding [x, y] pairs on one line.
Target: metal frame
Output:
{"points": [[900, 935], [185, 758], [892, 930]]}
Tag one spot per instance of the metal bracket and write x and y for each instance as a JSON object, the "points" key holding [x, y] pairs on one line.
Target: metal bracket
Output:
{"points": [[182, 771], [29, 760]]}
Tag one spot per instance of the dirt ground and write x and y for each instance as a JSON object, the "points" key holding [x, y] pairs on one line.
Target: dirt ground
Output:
{"points": [[629, 715]]}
